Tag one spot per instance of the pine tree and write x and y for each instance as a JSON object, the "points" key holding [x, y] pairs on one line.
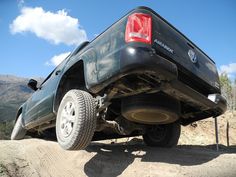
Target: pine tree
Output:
{"points": [[226, 89], [234, 94]]}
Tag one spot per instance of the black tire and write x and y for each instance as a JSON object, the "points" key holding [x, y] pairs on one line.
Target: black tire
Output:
{"points": [[162, 135], [76, 120], [18, 131]]}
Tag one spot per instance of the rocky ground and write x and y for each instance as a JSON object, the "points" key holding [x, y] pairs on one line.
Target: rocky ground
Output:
{"points": [[194, 156]]}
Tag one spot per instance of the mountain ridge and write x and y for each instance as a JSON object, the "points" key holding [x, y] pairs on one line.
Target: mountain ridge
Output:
{"points": [[13, 92]]}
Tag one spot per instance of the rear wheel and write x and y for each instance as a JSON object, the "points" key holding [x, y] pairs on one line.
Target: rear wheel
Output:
{"points": [[18, 131], [162, 135], [76, 120]]}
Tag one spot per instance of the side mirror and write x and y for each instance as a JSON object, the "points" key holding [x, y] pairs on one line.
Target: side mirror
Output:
{"points": [[33, 84]]}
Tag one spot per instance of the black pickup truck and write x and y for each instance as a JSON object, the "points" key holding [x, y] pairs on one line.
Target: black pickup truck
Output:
{"points": [[141, 76]]}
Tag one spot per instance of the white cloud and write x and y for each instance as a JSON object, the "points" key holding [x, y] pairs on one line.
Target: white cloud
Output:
{"points": [[57, 59], [229, 69], [56, 27]]}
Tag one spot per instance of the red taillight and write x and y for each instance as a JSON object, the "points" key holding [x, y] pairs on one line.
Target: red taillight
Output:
{"points": [[139, 28]]}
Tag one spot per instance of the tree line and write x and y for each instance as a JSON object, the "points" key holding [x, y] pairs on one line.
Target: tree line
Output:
{"points": [[228, 90]]}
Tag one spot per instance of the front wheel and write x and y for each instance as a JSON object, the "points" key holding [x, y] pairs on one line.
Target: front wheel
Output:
{"points": [[76, 120], [18, 131], [162, 135]]}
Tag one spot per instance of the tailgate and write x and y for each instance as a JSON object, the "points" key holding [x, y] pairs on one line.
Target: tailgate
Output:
{"points": [[195, 67]]}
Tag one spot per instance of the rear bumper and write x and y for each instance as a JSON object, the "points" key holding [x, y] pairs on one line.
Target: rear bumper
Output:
{"points": [[136, 60], [212, 105]]}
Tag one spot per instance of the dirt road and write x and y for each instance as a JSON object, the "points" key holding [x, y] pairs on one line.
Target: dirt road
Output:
{"points": [[36, 158]]}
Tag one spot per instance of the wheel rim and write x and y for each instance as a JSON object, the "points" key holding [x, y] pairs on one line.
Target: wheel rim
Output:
{"points": [[67, 119]]}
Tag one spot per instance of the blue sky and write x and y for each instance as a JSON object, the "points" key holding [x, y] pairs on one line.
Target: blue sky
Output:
{"points": [[36, 34]]}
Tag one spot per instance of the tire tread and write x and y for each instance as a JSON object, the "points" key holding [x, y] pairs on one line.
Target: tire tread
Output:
{"points": [[86, 122]]}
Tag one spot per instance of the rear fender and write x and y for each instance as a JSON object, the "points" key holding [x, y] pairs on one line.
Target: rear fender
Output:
{"points": [[73, 78]]}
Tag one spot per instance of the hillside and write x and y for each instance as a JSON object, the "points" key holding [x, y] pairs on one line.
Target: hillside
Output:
{"points": [[13, 92]]}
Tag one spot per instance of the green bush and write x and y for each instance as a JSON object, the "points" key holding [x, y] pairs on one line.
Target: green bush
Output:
{"points": [[6, 129]]}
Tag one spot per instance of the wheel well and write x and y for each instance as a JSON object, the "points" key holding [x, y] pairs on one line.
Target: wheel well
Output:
{"points": [[72, 79]]}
